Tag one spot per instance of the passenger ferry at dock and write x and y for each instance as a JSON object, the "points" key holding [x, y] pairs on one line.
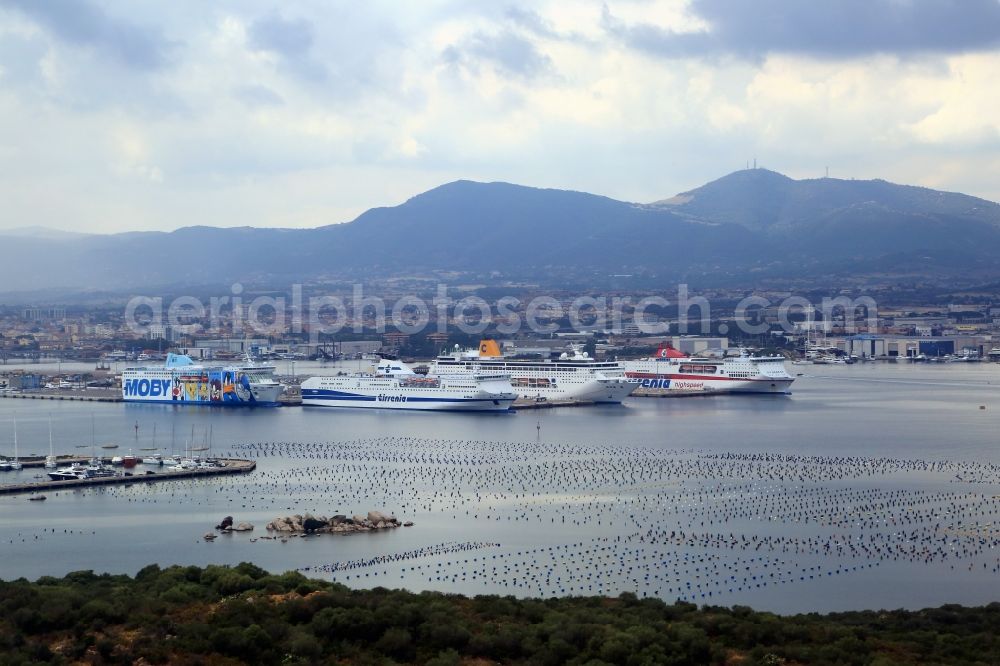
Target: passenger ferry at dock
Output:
{"points": [[672, 370], [394, 385], [573, 376], [181, 381]]}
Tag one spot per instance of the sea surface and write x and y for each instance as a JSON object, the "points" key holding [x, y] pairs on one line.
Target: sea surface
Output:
{"points": [[870, 486]]}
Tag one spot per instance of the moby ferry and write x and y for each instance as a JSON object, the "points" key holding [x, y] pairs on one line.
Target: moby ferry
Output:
{"points": [[181, 381]]}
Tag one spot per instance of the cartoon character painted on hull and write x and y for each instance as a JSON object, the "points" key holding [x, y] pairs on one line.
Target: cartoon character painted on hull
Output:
{"points": [[243, 391]]}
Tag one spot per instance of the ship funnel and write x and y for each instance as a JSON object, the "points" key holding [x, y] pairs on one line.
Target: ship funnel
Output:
{"points": [[489, 349], [393, 368], [666, 350]]}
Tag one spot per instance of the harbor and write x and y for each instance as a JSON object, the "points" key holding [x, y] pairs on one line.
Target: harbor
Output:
{"points": [[225, 466], [293, 398], [569, 501]]}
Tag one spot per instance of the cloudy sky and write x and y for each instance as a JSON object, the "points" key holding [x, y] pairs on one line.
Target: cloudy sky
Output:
{"points": [[154, 115]]}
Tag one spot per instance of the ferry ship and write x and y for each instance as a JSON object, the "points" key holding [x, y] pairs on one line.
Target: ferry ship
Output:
{"points": [[573, 376], [671, 370], [181, 381], [394, 385]]}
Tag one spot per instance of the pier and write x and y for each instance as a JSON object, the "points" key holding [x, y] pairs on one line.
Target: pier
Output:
{"points": [[38, 461], [531, 403], [229, 466], [87, 395]]}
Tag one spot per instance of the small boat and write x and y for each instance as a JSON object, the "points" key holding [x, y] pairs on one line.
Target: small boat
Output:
{"points": [[72, 473], [105, 446], [129, 461], [37, 498], [15, 464], [51, 461]]}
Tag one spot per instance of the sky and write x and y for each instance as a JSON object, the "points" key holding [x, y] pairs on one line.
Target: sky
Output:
{"points": [[148, 115]]}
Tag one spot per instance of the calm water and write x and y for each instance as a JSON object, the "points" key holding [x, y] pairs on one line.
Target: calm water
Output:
{"points": [[664, 497]]}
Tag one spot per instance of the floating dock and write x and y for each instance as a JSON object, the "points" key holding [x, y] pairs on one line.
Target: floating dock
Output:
{"points": [[229, 466], [531, 403]]}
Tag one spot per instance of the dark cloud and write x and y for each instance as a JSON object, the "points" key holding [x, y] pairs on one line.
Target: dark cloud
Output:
{"points": [[822, 28], [531, 21], [82, 23], [506, 51], [292, 38], [292, 41]]}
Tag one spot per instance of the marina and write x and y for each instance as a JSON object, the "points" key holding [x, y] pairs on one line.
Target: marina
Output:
{"points": [[226, 466]]}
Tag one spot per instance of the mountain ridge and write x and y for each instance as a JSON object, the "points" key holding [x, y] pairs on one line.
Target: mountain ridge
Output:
{"points": [[743, 226]]}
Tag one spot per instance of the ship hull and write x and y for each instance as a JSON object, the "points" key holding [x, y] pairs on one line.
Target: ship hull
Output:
{"points": [[603, 391], [439, 403], [410, 392], [664, 384], [551, 381], [734, 375], [215, 388]]}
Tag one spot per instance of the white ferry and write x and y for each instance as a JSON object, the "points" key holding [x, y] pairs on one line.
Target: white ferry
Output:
{"points": [[574, 376], [181, 381], [672, 370], [395, 386]]}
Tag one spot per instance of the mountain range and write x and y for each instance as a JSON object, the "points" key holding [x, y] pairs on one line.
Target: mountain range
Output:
{"points": [[745, 226]]}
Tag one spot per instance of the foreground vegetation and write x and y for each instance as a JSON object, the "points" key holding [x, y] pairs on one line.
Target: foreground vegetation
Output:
{"points": [[242, 614]]}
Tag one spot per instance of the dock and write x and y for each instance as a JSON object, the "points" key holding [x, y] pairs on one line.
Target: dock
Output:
{"points": [[674, 393], [87, 395], [38, 461], [531, 403], [229, 466]]}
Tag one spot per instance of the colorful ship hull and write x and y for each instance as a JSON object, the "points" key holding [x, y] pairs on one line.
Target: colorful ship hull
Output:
{"points": [[181, 381]]}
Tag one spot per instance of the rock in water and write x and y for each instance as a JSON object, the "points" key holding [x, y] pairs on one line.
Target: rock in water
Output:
{"points": [[226, 523], [311, 524], [308, 524]]}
